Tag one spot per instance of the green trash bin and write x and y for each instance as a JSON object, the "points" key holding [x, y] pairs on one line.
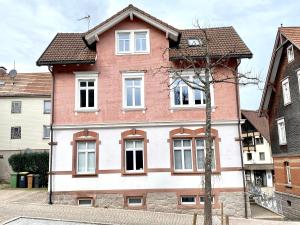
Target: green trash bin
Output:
{"points": [[13, 180]]}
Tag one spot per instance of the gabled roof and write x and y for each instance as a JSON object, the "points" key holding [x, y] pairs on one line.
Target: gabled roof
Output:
{"points": [[131, 11], [292, 35], [67, 48], [222, 41], [260, 123], [26, 85]]}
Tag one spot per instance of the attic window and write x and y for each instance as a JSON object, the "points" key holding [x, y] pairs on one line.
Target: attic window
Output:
{"points": [[194, 42], [290, 53]]}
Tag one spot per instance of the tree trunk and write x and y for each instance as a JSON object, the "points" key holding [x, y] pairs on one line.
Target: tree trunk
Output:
{"points": [[208, 188]]}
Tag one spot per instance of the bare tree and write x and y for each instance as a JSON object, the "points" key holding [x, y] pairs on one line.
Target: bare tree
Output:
{"points": [[206, 72]]}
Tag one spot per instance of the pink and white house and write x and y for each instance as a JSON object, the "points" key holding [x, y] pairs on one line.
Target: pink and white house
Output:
{"points": [[121, 138]]}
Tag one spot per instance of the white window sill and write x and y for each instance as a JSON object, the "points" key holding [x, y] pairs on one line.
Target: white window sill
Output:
{"points": [[133, 53], [87, 110], [190, 107], [288, 103], [285, 143], [134, 109]]}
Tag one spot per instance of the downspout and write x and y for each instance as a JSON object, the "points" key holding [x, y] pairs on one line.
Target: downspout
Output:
{"points": [[51, 137], [240, 136]]}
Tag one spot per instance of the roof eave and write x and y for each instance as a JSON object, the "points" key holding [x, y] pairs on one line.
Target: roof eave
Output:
{"points": [[240, 56], [63, 62]]}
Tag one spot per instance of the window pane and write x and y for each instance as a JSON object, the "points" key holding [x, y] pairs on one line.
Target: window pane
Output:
{"points": [[82, 84], [185, 95], [47, 106], [198, 97], [140, 41], [129, 160], [139, 160], [137, 82], [128, 144], [177, 143], [81, 146], [91, 162], [187, 159], [133, 200], [186, 143], [137, 97], [177, 96], [126, 45], [46, 132], [200, 158], [91, 83], [129, 82], [81, 162], [129, 96], [139, 144], [200, 143], [213, 160], [91, 98], [82, 98], [124, 36], [91, 145], [188, 199], [178, 159]]}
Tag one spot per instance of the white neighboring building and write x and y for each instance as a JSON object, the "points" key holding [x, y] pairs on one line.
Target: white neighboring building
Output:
{"points": [[25, 103], [257, 154]]}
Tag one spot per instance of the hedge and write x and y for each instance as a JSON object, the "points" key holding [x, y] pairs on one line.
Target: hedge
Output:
{"points": [[33, 162]]}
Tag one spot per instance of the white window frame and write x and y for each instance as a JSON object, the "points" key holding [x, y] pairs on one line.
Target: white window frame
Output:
{"points": [[135, 204], [288, 173], [132, 42], [182, 149], [138, 75], [46, 127], [286, 93], [84, 199], [214, 154], [281, 135], [134, 149], [190, 75], [86, 151], [194, 42], [290, 53], [86, 76], [188, 203]]}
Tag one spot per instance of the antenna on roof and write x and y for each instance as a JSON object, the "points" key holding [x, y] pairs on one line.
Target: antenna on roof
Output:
{"points": [[87, 18]]}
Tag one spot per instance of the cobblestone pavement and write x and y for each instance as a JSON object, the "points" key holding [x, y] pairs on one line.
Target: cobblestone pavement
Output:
{"points": [[33, 203]]}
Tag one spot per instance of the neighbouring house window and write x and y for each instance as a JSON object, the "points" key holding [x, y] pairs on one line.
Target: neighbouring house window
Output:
{"points": [[286, 91], [202, 200], [134, 155], [259, 140], [132, 41], [86, 91], [85, 202], [281, 131], [16, 106], [194, 42], [134, 152], [182, 95], [135, 201], [86, 157], [188, 200], [290, 53], [133, 90], [248, 141], [262, 156], [201, 152], [249, 156], [183, 154], [288, 172], [46, 132], [47, 106], [15, 133]]}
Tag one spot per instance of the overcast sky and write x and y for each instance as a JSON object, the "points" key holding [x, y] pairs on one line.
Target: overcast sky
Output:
{"points": [[27, 27]]}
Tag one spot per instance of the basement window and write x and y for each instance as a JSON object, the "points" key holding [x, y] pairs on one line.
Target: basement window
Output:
{"points": [[85, 202], [202, 200], [135, 201], [188, 200]]}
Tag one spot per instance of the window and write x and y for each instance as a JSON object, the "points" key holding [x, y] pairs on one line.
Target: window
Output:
{"points": [[16, 106], [133, 90], [184, 96], [286, 91], [281, 131], [188, 200], [86, 157], [288, 172], [46, 132], [194, 42], [259, 140], [85, 202], [249, 156], [262, 156], [183, 154], [132, 42], [298, 75], [135, 201], [201, 151], [15, 133], [134, 155], [86, 91], [290, 53], [248, 142], [47, 106], [202, 200]]}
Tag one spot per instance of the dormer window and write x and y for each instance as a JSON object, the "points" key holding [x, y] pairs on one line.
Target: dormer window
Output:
{"points": [[290, 53], [194, 42], [132, 42]]}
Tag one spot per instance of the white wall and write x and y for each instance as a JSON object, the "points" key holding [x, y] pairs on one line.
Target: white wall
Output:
{"points": [[31, 119], [158, 157]]}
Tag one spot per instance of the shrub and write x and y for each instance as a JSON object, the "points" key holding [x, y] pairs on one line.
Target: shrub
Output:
{"points": [[33, 162]]}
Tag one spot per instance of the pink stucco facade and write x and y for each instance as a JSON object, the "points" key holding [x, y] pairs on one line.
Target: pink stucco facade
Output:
{"points": [[157, 96]]}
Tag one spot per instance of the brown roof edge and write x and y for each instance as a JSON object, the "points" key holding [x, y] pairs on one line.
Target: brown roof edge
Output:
{"points": [[37, 62], [59, 62], [239, 56]]}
